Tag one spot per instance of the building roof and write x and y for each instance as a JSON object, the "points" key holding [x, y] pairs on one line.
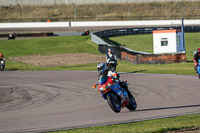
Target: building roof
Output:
{"points": [[166, 31]]}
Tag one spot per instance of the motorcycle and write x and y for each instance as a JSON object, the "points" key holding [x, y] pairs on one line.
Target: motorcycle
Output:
{"points": [[12, 36], [86, 33], [2, 65], [198, 68], [116, 97]]}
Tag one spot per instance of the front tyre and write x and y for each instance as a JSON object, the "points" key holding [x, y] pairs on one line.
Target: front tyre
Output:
{"points": [[132, 104], [1, 67], [114, 103]]}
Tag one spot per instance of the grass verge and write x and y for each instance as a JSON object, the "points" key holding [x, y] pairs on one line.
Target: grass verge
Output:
{"points": [[123, 66], [149, 126]]}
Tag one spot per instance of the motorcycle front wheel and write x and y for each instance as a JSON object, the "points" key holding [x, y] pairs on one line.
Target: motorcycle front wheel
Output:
{"points": [[114, 103], [132, 104], [1, 68]]}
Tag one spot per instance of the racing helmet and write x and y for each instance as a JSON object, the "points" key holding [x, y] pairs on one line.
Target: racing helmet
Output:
{"points": [[1, 54], [109, 50], [198, 50], [102, 67]]}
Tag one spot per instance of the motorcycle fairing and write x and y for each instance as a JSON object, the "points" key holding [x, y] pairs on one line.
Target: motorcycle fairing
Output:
{"points": [[117, 89], [198, 67]]}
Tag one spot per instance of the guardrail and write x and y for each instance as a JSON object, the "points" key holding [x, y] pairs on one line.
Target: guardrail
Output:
{"points": [[144, 30], [130, 31]]}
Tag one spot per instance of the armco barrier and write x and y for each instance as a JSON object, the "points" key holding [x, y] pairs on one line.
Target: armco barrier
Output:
{"points": [[144, 30]]}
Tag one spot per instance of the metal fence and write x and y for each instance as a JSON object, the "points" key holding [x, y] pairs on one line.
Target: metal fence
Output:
{"points": [[145, 30], [130, 31], [50, 2]]}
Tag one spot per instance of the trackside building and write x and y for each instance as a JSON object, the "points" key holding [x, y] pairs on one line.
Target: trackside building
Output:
{"points": [[168, 41]]}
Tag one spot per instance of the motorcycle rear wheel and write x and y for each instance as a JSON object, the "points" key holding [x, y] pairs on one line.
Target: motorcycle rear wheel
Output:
{"points": [[114, 103]]}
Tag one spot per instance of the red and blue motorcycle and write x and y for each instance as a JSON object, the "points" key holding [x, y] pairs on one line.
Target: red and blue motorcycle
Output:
{"points": [[116, 96]]}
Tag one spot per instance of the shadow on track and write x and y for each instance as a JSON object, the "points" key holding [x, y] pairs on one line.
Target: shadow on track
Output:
{"points": [[139, 71], [165, 108]]}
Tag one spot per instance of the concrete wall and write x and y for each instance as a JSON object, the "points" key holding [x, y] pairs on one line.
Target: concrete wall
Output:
{"points": [[50, 2], [100, 23]]}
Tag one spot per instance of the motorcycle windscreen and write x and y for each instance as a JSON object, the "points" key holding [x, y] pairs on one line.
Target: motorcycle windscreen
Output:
{"points": [[103, 80]]}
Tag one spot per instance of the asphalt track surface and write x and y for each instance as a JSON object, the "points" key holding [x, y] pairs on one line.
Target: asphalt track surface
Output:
{"points": [[35, 101]]}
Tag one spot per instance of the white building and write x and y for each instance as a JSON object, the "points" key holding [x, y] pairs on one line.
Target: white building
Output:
{"points": [[168, 41]]}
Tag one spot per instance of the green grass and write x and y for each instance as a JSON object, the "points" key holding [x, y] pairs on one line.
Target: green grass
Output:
{"points": [[176, 68], [137, 42], [149, 126], [48, 46], [123, 66], [192, 43]]}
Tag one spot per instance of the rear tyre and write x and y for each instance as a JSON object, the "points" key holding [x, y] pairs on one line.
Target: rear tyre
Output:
{"points": [[132, 104], [114, 103], [199, 76]]}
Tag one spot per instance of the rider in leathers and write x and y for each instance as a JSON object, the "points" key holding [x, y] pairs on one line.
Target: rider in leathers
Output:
{"points": [[111, 60], [196, 59], [103, 71], [2, 57]]}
